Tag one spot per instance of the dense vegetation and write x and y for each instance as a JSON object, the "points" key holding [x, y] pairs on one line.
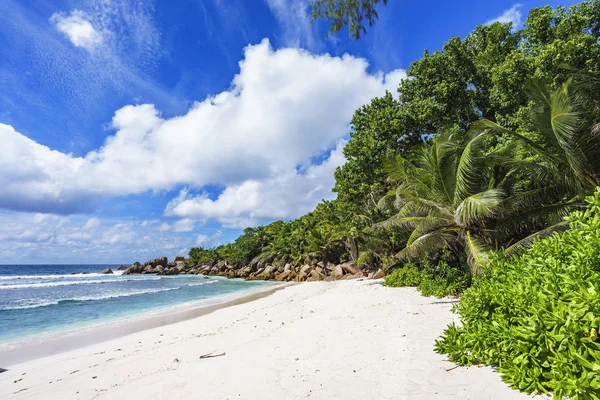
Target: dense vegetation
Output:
{"points": [[537, 316], [440, 279]]}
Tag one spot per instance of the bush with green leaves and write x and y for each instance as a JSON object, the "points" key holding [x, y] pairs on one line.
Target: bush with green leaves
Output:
{"points": [[536, 316], [407, 275], [438, 280], [444, 279]]}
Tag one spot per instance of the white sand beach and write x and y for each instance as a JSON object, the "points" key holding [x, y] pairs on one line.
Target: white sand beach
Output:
{"points": [[321, 340]]}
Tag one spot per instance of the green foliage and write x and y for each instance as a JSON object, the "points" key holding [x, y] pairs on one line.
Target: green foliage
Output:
{"points": [[199, 255], [446, 196], [482, 75], [407, 275], [431, 279], [443, 280], [326, 233], [537, 316], [350, 13], [378, 131]]}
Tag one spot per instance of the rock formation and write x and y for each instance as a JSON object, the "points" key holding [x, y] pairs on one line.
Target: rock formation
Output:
{"points": [[312, 270]]}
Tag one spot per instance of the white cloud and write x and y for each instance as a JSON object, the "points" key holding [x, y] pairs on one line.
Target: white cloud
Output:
{"points": [[512, 15], [182, 225], [283, 108], [125, 28], [288, 195], [294, 20], [78, 28], [92, 223], [46, 238]]}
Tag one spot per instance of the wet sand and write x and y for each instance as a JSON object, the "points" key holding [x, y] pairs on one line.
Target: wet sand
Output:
{"points": [[51, 344]]}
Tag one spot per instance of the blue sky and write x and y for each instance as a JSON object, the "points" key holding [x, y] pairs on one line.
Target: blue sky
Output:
{"points": [[135, 129]]}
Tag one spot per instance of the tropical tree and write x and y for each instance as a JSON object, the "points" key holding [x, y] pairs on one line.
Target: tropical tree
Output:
{"points": [[446, 198], [563, 142]]}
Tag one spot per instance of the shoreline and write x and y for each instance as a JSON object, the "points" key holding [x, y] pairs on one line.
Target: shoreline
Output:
{"points": [[49, 344], [319, 340]]}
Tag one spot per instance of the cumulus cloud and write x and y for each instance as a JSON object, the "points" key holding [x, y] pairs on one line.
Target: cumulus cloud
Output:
{"points": [[284, 107], [288, 195], [78, 29], [512, 15]]}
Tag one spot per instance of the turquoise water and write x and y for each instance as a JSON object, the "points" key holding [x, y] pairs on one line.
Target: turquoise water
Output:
{"points": [[36, 299]]}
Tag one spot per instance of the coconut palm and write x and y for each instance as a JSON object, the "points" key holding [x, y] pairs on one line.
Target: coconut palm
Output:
{"points": [[565, 146], [446, 197]]}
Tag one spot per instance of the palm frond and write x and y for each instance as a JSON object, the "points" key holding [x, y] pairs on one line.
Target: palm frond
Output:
{"points": [[534, 218], [531, 170], [477, 253], [411, 178], [468, 171], [441, 163], [494, 128], [426, 225], [399, 221], [537, 90], [396, 167], [524, 243], [566, 124], [386, 203], [412, 204], [479, 206], [425, 244], [533, 198], [365, 258]]}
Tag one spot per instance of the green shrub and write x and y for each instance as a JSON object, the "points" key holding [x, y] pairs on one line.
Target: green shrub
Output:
{"points": [[443, 280], [432, 280], [536, 316], [407, 275]]}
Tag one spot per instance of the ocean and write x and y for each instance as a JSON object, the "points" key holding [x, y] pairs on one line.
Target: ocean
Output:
{"points": [[41, 299]]}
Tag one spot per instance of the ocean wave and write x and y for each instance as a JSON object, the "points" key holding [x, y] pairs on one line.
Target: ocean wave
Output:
{"points": [[78, 275], [100, 297], [69, 283], [201, 283], [86, 298]]}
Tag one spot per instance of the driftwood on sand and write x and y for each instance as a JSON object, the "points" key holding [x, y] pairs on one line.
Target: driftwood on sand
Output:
{"points": [[211, 355]]}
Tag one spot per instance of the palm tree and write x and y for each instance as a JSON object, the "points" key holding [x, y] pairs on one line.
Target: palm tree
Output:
{"points": [[325, 242], [564, 143], [446, 197], [376, 247], [452, 195]]}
